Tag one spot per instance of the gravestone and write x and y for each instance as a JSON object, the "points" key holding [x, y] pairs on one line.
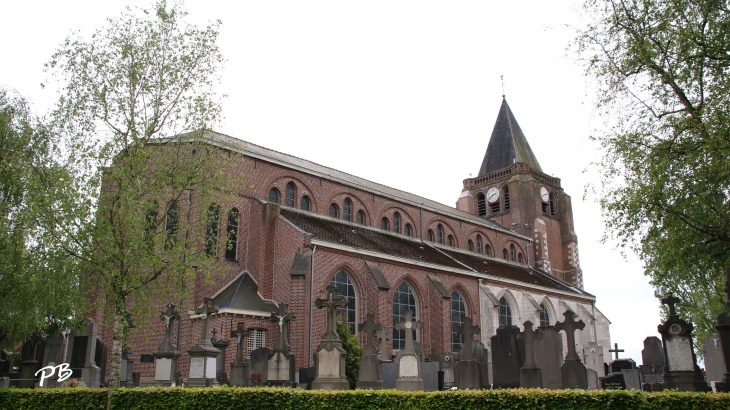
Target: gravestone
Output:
{"points": [[418, 348], [723, 332], [125, 373], [371, 375], [409, 365], [573, 372], [222, 345], [714, 364], [240, 367], [482, 356], [31, 358], [446, 365], [507, 357], [203, 355], [620, 364], [594, 359], [167, 353], [592, 378], [632, 378], [549, 357], [530, 374], [329, 358], [281, 365], [468, 368], [681, 371], [53, 355], [613, 381], [259, 365], [652, 358], [429, 375], [306, 377], [81, 354], [383, 337]]}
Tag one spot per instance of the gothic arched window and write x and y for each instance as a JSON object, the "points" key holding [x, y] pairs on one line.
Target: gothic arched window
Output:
{"points": [[407, 230], [519, 257], [479, 244], [232, 235], [385, 224], [505, 313], [396, 222], [430, 235], [171, 219], [211, 232], [347, 210], [345, 288], [361, 217], [512, 252], [488, 250], [481, 205], [274, 196], [440, 233], [506, 198], [470, 245], [505, 254], [334, 211], [291, 195], [458, 313], [403, 299], [304, 203], [544, 316], [450, 240]]}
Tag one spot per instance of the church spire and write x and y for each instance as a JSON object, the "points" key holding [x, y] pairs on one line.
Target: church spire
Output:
{"points": [[507, 144]]}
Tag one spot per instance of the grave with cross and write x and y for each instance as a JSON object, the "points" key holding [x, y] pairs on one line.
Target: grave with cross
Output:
{"points": [[617, 365], [240, 367], [573, 371], [167, 354], [530, 374], [222, 345], [409, 366], [281, 364], [383, 338], [329, 358], [203, 355], [371, 375], [468, 374]]}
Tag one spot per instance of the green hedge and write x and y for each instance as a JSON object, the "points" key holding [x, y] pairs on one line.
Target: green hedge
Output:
{"points": [[272, 398]]}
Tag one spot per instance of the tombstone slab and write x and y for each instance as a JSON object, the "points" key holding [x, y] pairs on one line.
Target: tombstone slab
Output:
{"points": [[530, 374], [446, 365], [482, 356], [409, 365], [281, 367], [618, 365], [53, 355], [652, 367], [573, 371], [468, 369], [370, 376], [632, 378], [594, 359], [592, 378], [507, 357], [240, 367], [329, 358], [549, 357], [81, 354], [167, 354], [614, 381], [259, 365], [203, 355]]}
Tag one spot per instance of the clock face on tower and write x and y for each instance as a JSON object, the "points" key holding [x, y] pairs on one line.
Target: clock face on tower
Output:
{"points": [[492, 195], [544, 194]]}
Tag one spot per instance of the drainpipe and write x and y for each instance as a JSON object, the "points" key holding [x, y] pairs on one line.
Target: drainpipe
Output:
{"points": [[311, 295], [528, 252], [593, 312], [420, 219]]}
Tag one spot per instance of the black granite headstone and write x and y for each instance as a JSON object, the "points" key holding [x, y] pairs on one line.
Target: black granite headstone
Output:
{"points": [[507, 357], [652, 367], [621, 364], [306, 376], [614, 381], [549, 357]]}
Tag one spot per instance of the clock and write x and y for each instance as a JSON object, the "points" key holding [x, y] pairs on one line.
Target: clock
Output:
{"points": [[492, 195], [544, 194]]}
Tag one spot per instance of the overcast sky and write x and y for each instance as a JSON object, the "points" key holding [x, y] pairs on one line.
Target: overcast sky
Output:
{"points": [[403, 93]]}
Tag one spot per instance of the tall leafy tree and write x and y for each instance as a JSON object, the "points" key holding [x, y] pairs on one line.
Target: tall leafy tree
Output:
{"points": [[131, 95], [661, 70]]}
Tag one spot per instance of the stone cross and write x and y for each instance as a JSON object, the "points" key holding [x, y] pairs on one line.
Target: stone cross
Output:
{"points": [[408, 325], [569, 326], [615, 350], [671, 301], [467, 330], [382, 337], [331, 302], [206, 310], [239, 334], [530, 336], [283, 318], [168, 316], [370, 327]]}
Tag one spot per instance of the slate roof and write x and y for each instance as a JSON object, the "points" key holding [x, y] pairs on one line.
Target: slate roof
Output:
{"points": [[374, 240], [507, 144], [242, 294]]}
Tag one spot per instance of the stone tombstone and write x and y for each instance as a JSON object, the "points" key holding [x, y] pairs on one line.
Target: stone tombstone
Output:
{"points": [[329, 358], [613, 381], [632, 378], [446, 365], [714, 362], [31, 357], [429, 374], [306, 377], [681, 371], [621, 364], [240, 367], [203, 355], [81, 352], [418, 348], [652, 367], [259, 364], [167, 353], [222, 345], [482, 356], [371, 375], [468, 369], [409, 365], [573, 371], [593, 359], [549, 357], [592, 378], [530, 374], [383, 338], [723, 332], [53, 355], [507, 357], [125, 374], [281, 365]]}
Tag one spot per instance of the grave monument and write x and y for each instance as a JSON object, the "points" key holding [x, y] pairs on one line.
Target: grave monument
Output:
{"points": [[549, 357], [239, 368], [468, 368], [507, 357], [203, 355], [166, 355], [222, 345], [573, 372], [723, 332], [409, 366], [530, 374], [329, 358], [652, 358], [281, 365], [81, 354], [370, 376]]}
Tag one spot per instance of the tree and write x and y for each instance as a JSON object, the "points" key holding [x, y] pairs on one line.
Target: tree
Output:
{"points": [[663, 85], [38, 280], [351, 344], [130, 97]]}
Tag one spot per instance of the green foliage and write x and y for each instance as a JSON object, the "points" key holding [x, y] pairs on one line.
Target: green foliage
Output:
{"points": [[278, 398], [351, 344], [38, 279], [661, 69]]}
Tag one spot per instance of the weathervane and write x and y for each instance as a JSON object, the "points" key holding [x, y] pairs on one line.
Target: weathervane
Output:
{"points": [[501, 77]]}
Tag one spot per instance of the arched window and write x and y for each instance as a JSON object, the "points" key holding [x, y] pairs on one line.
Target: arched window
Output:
{"points": [[403, 299], [430, 235], [361, 217], [385, 224], [552, 203], [334, 211], [396, 222], [291, 195], [481, 205], [458, 313], [506, 198], [345, 288], [407, 230], [505, 313], [479, 244], [347, 210], [440, 233], [304, 203], [470, 245], [211, 232], [488, 250], [171, 219], [505, 254], [519, 257], [451, 240], [232, 235], [544, 316], [273, 196], [512, 252]]}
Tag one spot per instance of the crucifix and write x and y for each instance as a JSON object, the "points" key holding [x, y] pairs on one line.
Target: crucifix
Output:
{"points": [[205, 311], [408, 325], [239, 334], [467, 330], [670, 301], [529, 336], [615, 350], [168, 316], [370, 327], [569, 326], [283, 318], [331, 302]]}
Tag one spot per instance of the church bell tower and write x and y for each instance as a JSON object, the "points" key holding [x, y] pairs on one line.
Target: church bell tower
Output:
{"points": [[512, 190]]}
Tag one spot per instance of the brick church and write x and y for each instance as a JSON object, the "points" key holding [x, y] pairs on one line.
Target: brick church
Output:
{"points": [[507, 253]]}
